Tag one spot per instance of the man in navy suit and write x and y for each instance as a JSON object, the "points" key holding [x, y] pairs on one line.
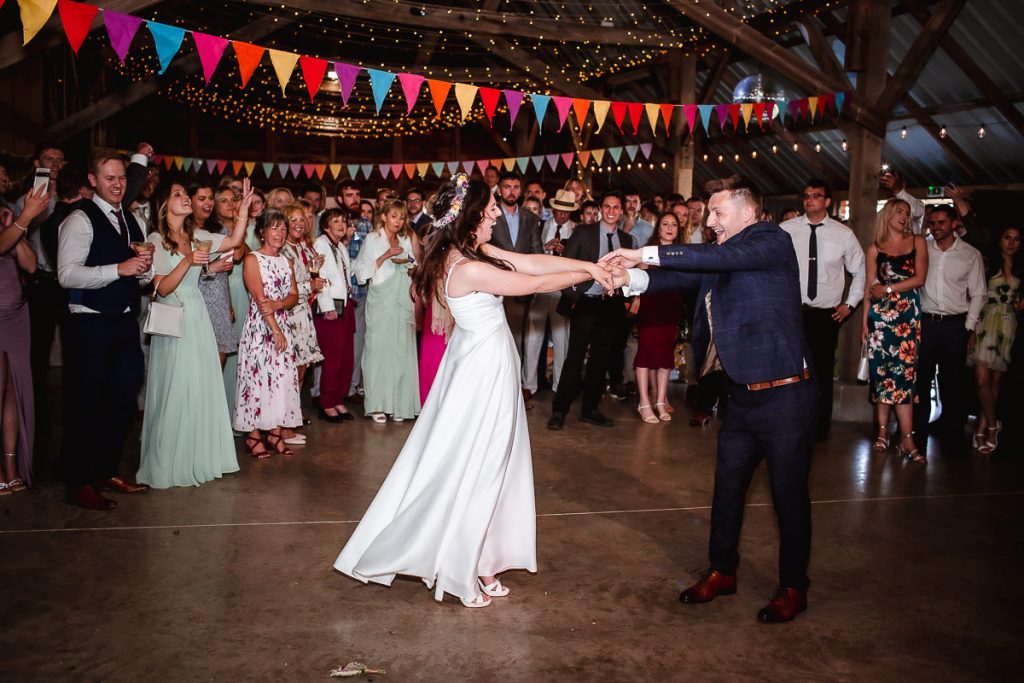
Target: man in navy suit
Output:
{"points": [[749, 324]]}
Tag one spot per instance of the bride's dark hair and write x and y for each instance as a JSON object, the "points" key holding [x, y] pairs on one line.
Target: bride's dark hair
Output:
{"points": [[460, 234]]}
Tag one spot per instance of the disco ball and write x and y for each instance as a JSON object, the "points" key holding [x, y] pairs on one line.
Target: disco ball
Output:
{"points": [[757, 88]]}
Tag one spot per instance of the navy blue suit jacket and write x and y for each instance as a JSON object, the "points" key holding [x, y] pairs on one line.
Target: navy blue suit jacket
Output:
{"points": [[755, 301]]}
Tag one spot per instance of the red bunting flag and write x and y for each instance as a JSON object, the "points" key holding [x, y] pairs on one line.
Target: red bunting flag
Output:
{"points": [[411, 84], [313, 71], [210, 49], [636, 112], [666, 116], [249, 57], [489, 97], [77, 19], [734, 116], [221, 165], [759, 113], [618, 113], [439, 93]]}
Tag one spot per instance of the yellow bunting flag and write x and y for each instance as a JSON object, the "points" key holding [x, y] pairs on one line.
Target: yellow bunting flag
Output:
{"points": [[653, 111], [601, 112], [813, 103], [747, 110], [421, 168], [508, 163], [598, 154], [250, 166], [284, 64], [335, 170], [34, 15], [465, 94]]}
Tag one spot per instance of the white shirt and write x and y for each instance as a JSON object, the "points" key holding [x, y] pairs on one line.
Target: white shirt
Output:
{"points": [[547, 232], [74, 239], [374, 246], [638, 278], [335, 257], [955, 283], [838, 253], [916, 209]]}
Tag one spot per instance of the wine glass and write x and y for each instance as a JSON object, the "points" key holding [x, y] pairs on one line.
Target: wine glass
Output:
{"points": [[142, 248]]}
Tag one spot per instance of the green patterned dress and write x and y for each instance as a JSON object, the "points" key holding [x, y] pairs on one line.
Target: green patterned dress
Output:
{"points": [[894, 331], [998, 325]]}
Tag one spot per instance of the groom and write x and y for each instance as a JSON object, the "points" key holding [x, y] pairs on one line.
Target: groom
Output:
{"points": [[749, 324]]}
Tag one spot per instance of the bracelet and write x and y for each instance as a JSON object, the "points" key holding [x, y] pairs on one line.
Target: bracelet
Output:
{"points": [[19, 226]]}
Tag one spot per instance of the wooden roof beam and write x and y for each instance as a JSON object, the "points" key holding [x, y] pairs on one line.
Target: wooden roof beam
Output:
{"points": [[918, 56], [964, 160]]}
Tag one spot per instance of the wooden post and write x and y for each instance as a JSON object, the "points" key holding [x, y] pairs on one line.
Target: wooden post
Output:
{"points": [[683, 72]]}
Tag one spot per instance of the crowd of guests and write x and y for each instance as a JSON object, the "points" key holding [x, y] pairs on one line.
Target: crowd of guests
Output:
{"points": [[253, 296]]}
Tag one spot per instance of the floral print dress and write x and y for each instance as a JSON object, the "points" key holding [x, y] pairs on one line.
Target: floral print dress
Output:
{"points": [[267, 392], [998, 325], [300, 317], [894, 331]]}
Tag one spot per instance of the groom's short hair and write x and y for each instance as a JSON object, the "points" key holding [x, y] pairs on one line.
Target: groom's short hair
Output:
{"points": [[738, 188]]}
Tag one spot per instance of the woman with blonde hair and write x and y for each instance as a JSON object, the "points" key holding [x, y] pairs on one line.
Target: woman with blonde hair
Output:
{"points": [[897, 265], [279, 197], [390, 378], [300, 252]]}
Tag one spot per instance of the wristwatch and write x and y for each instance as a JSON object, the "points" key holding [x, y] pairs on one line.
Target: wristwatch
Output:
{"points": [[888, 289]]}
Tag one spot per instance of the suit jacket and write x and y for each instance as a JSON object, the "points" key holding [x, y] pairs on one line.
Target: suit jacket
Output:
{"points": [[421, 224], [585, 244], [528, 239], [754, 282]]}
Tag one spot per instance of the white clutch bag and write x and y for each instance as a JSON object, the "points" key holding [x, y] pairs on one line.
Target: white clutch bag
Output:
{"points": [[163, 320], [864, 367]]}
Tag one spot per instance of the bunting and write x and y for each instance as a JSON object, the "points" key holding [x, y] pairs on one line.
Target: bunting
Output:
{"points": [[76, 17]]}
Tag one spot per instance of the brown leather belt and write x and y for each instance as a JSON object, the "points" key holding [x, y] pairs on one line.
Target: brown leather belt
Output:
{"points": [[761, 386]]}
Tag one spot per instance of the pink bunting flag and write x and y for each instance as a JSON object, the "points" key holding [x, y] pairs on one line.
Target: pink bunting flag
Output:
{"points": [[691, 115], [567, 159], [313, 71], [396, 170], [221, 165], [411, 84], [562, 105], [121, 29], [346, 74], [514, 98], [722, 110], [308, 169], [210, 49], [482, 164]]}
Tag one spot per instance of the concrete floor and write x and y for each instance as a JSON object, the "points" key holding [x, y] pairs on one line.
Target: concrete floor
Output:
{"points": [[912, 571]]}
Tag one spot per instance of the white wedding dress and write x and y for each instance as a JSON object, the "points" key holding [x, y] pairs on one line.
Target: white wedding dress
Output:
{"points": [[458, 502]]}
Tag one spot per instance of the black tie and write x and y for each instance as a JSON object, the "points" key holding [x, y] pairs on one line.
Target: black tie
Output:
{"points": [[124, 226], [611, 247], [558, 232], [812, 263]]}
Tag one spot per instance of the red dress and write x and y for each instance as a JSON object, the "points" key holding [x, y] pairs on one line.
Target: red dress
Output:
{"points": [[657, 324]]}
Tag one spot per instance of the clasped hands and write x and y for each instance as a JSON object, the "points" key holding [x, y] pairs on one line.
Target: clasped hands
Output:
{"points": [[615, 264]]}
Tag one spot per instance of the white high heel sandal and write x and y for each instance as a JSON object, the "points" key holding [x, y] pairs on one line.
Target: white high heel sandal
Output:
{"points": [[495, 590]]}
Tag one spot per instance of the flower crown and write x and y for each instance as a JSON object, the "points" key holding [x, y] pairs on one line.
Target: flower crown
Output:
{"points": [[461, 185]]}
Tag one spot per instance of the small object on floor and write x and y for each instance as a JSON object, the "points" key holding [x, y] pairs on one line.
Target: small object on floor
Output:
{"points": [[306, 421], [353, 669]]}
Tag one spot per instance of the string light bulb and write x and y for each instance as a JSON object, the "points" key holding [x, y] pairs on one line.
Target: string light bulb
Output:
{"points": [[845, 146], [817, 148], [942, 133], [981, 132], [775, 149], [903, 133], [753, 155], [796, 147], [736, 158]]}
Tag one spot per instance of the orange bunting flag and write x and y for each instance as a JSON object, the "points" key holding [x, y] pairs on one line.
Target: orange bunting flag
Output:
{"points": [[584, 157], [77, 20], [236, 167], [313, 71], [580, 107], [666, 116], [249, 57], [320, 170], [284, 64], [439, 93]]}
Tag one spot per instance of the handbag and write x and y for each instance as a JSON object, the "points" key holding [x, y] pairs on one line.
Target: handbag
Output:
{"points": [[864, 367], [164, 320]]}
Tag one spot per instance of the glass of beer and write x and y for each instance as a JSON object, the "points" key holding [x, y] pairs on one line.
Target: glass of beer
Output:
{"points": [[203, 246]]}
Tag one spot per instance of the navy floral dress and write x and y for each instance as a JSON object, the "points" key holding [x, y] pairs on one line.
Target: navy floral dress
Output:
{"points": [[894, 331]]}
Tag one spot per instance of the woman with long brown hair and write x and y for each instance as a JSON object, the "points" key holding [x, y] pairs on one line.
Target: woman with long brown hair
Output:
{"points": [[457, 507]]}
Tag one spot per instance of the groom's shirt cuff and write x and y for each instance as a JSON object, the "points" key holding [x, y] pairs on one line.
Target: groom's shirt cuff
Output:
{"points": [[649, 255], [638, 281]]}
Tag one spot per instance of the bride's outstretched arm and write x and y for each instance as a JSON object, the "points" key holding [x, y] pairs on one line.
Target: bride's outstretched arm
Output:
{"points": [[535, 264], [483, 277]]}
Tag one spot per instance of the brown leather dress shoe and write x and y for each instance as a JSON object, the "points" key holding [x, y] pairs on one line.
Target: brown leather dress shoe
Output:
{"points": [[87, 497], [705, 590], [787, 603], [120, 485]]}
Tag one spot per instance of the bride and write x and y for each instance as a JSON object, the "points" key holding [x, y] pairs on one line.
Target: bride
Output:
{"points": [[457, 507]]}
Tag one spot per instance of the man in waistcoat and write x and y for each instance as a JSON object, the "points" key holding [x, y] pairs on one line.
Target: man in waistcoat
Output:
{"points": [[103, 361]]}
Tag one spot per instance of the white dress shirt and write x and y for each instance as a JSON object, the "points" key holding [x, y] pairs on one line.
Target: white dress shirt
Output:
{"points": [[374, 246], [336, 265], [955, 283], [838, 251], [638, 278], [547, 232], [74, 239]]}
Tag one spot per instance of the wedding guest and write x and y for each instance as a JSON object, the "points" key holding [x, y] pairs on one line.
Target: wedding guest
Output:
{"points": [[390, 377], [103, 359], [897, 265], [279, 197], [367, 211], [256, 209], [891, 185], [657, 324], [419, 219], [634, 223], [349, 198], [267, 394], [213, 281], [996, 332], [316, 195], [590, 213], [186, 431], [533, 205], [17, 406], [335, 321], [238, 293], [300, 317]]}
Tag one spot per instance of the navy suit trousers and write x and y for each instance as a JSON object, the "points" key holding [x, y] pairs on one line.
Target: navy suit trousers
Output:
{"points": [[777, 425]]}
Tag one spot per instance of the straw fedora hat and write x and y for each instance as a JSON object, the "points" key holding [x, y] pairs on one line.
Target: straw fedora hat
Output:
{"points": [[564, 200]]}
